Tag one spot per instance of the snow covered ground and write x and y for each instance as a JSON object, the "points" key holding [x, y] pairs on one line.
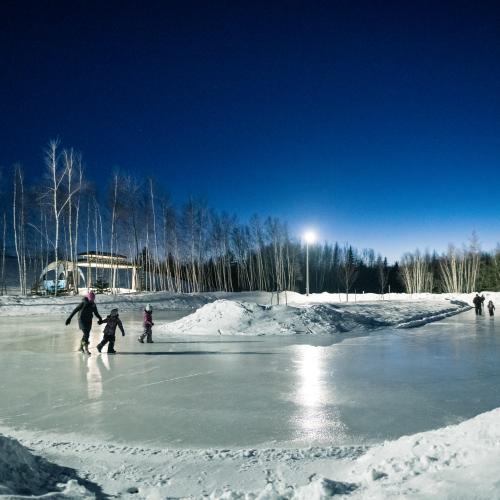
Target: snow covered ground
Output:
{"points": [[454, 462], [390, 309], [363, 409]]}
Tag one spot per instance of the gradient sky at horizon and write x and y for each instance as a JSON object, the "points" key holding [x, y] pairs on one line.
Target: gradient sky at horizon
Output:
{"points": [[372, 122]]}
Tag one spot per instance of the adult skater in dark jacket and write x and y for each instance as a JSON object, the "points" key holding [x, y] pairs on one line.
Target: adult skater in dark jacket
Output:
{"points": [[112, 321], [477, 303], [86, 310]]}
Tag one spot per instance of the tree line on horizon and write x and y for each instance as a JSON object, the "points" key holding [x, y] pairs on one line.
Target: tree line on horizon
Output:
{"points": [[194, 248]]}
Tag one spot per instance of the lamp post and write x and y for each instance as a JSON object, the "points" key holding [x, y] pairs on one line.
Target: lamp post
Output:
{"points": [[310, 237]]}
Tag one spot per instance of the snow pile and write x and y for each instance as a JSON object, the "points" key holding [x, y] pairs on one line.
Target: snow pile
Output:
{"points": [[228, 317], [458, 461], [221, 316], [22, 473]]}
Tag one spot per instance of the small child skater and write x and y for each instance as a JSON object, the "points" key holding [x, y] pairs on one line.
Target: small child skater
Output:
{"points": [[148, 325], [112, 321], [491, 308]]}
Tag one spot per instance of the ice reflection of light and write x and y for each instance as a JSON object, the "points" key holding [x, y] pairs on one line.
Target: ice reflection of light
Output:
{"points": [[94, 379], [315, 420], [310, 391], [96, 368]]}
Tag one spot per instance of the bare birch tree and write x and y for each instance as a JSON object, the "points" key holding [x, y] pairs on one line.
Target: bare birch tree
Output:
{"points": [[348, 269], [19, 222], [382, 273], [4, 242], [415, 271]]}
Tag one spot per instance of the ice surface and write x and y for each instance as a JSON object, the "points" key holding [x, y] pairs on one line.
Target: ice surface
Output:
{"points": [[237, 392]]}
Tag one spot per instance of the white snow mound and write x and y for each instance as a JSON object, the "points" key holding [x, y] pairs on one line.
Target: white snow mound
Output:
{"points": [[22, 473], [229, 317]]}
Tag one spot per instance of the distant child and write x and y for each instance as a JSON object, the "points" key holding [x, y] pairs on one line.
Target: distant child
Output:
{"points": [[112, 321], [491, 308], [148, 325], [86, 310]]}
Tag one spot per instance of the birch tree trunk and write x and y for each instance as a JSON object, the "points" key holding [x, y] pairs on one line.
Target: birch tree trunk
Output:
{"points": [[4, 240]]}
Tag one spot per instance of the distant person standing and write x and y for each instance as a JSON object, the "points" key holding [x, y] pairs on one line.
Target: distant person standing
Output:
{"points": [[491, 308], [483, 298], [148, 325], [477, 304], [86, 310]]}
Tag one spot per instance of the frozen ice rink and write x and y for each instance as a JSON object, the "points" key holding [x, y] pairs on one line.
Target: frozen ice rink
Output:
{"points": [[241, 391]]}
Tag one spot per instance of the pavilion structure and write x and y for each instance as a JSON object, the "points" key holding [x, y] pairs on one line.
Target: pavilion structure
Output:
{"points": [[89, 269]]}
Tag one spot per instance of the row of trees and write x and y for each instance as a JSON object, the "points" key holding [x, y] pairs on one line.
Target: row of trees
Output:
{"points": [[193, 248], [188, 248]]}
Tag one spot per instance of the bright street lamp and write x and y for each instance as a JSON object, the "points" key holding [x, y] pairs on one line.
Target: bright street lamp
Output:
{"points": [[310, 238]]}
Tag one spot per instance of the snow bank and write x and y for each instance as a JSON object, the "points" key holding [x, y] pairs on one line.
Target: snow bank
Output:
{"points": [[18, 306], [14, 305], [228, 317], [22, 473], [458, 461]]}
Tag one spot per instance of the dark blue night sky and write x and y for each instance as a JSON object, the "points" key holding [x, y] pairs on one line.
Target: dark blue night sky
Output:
{"points": [[376, 123]]}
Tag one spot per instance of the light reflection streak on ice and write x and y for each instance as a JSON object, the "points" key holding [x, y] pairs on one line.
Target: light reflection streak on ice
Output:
{"points": [[95, 368], [314, 421], [310, 391], [94, 379]]}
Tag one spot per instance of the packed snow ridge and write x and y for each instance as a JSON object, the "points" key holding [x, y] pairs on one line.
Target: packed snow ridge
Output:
{"points": [[229, 317]]}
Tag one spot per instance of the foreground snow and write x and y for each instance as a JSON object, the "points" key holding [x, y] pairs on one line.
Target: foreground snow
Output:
{"points": [[458, 461], [22, 473]]}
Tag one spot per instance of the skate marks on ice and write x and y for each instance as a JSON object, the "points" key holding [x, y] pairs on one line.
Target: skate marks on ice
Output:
{"points": [[174, 379]]}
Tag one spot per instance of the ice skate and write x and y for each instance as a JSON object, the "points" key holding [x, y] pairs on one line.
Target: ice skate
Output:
{"points": [[140, 339], [84, 348]]}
